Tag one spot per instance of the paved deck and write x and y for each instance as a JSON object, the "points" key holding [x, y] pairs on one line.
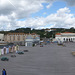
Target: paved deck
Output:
{"points": [[48, 60]]}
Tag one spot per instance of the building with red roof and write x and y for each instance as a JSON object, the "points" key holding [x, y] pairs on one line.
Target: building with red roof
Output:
{"points": [[65, 37]]}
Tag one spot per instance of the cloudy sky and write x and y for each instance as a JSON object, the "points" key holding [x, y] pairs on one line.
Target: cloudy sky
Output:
{"points": [[37, 14]]}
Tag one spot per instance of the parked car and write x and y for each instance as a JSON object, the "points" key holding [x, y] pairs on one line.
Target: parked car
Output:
{"points": [[25, 50], [13, 55], [20, 52], [41, 45], [4, 59]]}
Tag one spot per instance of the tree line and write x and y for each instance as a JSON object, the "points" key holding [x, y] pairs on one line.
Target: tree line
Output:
{"points": [[41, 32]]}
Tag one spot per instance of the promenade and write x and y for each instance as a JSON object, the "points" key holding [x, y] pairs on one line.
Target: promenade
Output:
{"points": [[48, 60]]}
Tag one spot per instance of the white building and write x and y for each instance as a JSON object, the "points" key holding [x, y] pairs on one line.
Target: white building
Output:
{"points": [[2, 42], [32, 39], [49, 30], [1, 37], [65, 37]]}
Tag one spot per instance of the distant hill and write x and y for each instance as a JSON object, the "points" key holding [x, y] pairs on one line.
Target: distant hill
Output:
{"points": [[41, 32]]}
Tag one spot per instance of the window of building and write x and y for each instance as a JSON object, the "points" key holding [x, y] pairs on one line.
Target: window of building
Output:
{"points": [[23, 37], [69, 39], [73, 38], [64, 39], [19, 37], [13, 37], [10, 38]]}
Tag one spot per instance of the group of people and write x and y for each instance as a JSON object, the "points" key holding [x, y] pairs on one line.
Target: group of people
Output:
{"points": [[6, 50]]}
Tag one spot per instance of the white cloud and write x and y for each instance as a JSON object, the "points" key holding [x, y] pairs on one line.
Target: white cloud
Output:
{"points": [[70, 2], [22, 8], [48, 6], [11, 10], [62, 18]]}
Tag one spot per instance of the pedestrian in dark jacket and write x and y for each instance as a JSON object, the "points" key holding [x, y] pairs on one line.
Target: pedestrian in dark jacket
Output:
{"points": [[4, 72]]}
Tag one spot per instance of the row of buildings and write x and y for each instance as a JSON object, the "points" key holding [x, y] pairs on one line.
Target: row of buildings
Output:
{"points": [[30, 39], [20, 38]]}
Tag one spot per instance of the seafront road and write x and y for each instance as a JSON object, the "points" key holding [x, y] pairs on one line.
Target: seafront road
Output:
{"points": [[48, 60]]}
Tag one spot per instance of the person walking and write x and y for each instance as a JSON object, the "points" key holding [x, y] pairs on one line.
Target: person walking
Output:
{"points": [[4, 72]]}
